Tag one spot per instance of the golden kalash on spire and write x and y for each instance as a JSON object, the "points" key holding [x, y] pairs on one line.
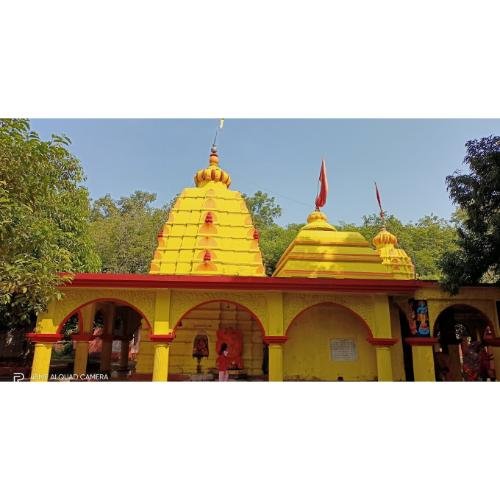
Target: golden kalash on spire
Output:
{"points": [[320, 251], [209, 230]]}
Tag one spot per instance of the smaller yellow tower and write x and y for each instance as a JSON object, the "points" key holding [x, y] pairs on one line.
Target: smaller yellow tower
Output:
{"points": [[209, 230], [320, 251], [395, 259]]}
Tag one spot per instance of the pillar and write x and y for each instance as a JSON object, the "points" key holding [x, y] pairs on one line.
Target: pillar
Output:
{"points": [[145, 355], [41, 359], [161, 354], [422, 350], [384, 357], [107, 337], [454, 363], [82, 339], [106, 351], [494, 347], [81, 353], [275, 344], [124, 354], [161, 336]]}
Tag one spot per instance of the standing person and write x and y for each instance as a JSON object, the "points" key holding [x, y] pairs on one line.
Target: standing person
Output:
{"points": [[223, 363]]}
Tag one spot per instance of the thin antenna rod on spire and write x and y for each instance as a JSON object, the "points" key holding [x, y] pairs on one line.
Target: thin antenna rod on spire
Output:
{"points": [[221, 124]]}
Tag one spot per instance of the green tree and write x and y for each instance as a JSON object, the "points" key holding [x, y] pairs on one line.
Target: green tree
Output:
{"points": [[263, 208], [44, 228], [125, 231], [274, 241], [477, 194]]}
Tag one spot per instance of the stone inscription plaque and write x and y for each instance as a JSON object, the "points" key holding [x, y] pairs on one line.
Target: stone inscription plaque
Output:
{"points": [[343, 350]]}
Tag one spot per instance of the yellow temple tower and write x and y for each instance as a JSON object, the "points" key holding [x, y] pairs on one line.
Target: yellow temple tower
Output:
{"points": [[209, 230], [320, 251]]}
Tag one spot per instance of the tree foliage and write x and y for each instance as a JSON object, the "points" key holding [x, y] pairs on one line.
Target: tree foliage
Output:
{"points": [[44, 220], [263, 208], [125, 231], [274, 240], [477, 194]]}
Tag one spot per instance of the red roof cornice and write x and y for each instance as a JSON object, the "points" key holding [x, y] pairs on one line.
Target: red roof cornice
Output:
{"points": [[92, 280]]}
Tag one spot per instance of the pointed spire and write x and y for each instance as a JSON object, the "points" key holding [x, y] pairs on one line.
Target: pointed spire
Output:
{"points": [[213, 172]]}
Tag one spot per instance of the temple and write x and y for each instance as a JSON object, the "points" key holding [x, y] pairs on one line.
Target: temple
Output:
{"points": [[338, 307]]}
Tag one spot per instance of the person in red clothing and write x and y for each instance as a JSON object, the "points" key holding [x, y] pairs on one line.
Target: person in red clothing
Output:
{"points": [[223, 363]]}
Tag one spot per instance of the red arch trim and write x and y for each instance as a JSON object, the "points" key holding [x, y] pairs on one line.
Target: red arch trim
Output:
{"points": [[330, 303], [262, 329], [104, 299]]}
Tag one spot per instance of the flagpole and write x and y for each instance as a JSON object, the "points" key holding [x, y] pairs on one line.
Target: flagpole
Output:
{"points": [[221, 124], [382, 213]]}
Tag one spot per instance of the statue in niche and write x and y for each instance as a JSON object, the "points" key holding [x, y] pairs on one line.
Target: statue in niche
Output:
{"points": [[418, 318], [200, 349], [423, 319], [234, 341]]}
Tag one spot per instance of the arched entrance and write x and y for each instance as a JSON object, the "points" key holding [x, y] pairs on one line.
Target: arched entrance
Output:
{"points": [[329, 342], [99, 338], [202, 330], [459, 327]]}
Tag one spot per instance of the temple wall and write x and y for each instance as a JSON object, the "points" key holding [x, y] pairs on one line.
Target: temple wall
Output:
{"points": [[306, 354]]}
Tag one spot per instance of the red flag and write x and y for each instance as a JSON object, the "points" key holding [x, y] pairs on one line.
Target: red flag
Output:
{"points": [[378, 197], [379, 202], [323, 188]]}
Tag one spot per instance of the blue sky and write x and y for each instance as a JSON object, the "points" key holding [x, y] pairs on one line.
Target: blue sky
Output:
{"points": [[408, 158]]}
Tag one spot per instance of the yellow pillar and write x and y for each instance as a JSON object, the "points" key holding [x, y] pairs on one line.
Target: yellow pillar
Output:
{"points": [[41, 362], [107, 337], [384, 357], [81, 357], [275, 337], [275, 363], [423, 358], [160, 364], [275, 356], [87, 314], [384, 364], [145, 356]]}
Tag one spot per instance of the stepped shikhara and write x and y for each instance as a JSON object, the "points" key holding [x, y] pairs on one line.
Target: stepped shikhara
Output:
{"points": [[209, 230], [320, 251]]}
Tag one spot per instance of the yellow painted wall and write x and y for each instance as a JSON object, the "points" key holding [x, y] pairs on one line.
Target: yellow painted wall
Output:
{"points": [[145, 354], [306, 354]]}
